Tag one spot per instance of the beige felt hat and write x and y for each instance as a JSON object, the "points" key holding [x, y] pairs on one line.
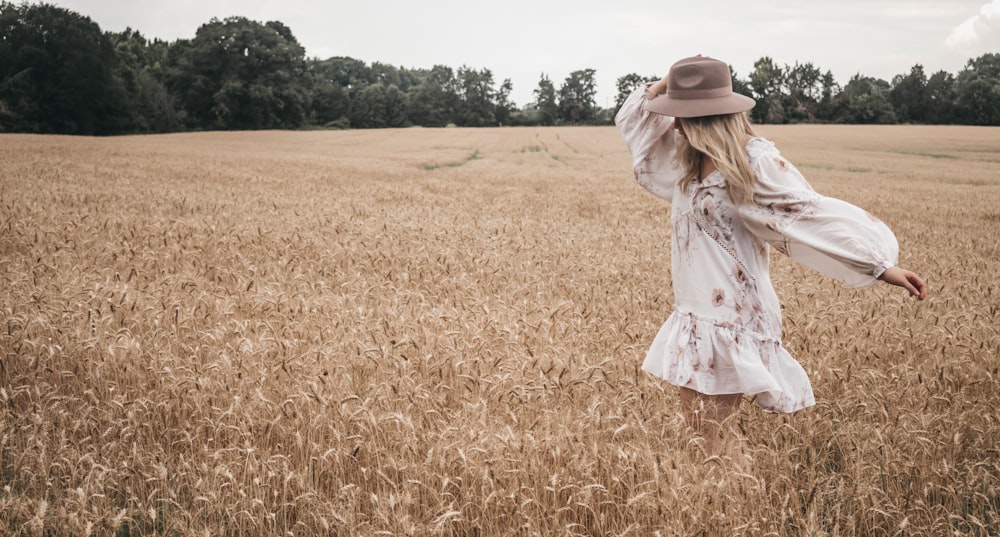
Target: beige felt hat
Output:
{"points": [[699, 86]]}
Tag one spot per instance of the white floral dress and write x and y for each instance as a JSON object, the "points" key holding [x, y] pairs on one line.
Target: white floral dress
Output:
{"points": [[724, 336]]}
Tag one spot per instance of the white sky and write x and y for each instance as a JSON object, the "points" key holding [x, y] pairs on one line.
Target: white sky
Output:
{"points": [[521, 39]]}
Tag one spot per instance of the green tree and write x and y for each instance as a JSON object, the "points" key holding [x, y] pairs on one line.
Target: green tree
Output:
{"points": [[766, 83], [977, 90], [329, 103], [940, 92], [865, 100], [576, 97], [146, 104], [545, 101], [130, 60], [626, 84], [909, 95], [370, 109], [241, 74], [348, 73], [739, 85], [825, 109], [389, 75], [476, 98], [56, 73], [803, 83], [396, 107], [434, 100], [504, 107]]}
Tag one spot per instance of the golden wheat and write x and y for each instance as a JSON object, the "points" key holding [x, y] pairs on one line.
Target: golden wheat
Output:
{"points": [[438, 332]]}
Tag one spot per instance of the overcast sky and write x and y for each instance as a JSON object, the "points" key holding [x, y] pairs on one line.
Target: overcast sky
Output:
{"points": [[521, 39]]}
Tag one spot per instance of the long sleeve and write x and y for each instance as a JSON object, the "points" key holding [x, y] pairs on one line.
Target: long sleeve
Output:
{"points": [[650, 139], [826, 234]]}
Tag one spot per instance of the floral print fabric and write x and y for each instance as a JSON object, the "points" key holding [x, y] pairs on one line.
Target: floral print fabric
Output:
{"points": [[724, 335]]}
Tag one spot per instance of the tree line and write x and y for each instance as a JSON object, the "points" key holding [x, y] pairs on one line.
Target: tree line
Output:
{"points": [[60, 73]]}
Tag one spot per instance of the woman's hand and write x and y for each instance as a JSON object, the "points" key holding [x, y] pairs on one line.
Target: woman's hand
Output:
{"points": [[906, 279], [660, 86]]}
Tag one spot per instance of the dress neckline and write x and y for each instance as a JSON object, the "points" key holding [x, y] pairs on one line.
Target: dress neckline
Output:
{"points": [[713, 179]]}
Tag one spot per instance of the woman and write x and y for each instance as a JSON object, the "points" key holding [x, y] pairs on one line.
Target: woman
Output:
{"points": [[732, 196]]}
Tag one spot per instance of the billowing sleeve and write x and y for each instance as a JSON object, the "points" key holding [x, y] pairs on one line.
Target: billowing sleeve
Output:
{"points": [[650, 139], [826, 234]]}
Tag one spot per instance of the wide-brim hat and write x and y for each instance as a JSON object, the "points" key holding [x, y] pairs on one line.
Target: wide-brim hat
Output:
{"points": [[699, 86]]}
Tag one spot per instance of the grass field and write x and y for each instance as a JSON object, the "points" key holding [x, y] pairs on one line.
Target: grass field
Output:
{"points": [[439, 332]]}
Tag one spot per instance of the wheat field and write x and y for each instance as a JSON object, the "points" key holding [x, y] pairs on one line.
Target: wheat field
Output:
{"points": [[439, 332]]}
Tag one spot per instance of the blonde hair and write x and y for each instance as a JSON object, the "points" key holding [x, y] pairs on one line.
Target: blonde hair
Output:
{"points": [[723, 139]]}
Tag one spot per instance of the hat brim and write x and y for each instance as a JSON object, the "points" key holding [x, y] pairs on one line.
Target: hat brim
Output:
{"points": [[730, 104]]}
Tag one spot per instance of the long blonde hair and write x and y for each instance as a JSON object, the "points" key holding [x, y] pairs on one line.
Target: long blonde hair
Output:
{"points": [[723, 139]]}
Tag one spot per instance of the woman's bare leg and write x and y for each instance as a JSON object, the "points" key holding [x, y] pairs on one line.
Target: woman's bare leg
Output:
{"points": [[710, 417]]}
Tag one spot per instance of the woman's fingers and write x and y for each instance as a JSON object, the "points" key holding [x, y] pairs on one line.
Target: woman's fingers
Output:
{"points": [[907, 280], [919, 289]]}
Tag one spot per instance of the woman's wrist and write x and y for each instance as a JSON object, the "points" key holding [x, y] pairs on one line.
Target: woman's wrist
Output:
{"points": [[659, 87]]}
